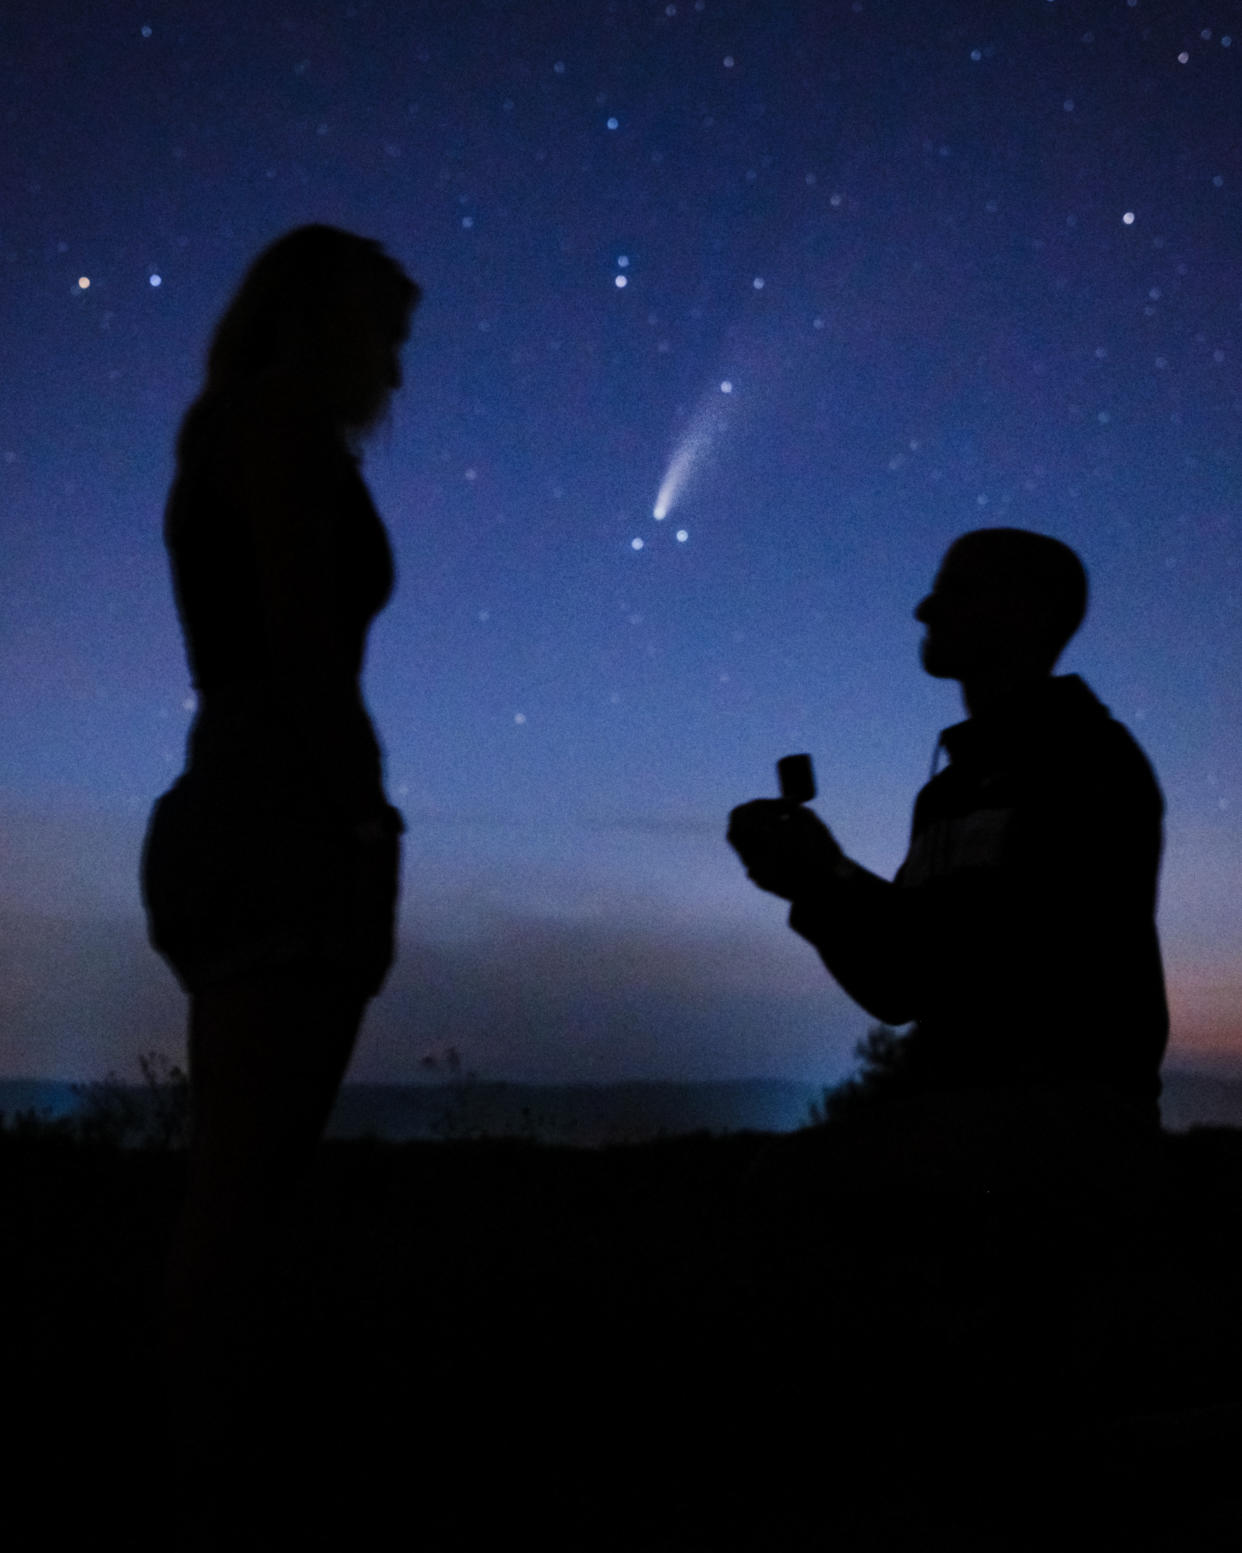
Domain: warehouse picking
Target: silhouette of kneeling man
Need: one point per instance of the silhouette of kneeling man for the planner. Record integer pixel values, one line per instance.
(987, 1222)
(1019, 934)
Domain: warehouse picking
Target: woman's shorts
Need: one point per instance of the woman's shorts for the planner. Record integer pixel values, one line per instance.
(241, 881)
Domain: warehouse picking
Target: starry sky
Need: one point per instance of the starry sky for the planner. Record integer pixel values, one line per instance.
(828, 283)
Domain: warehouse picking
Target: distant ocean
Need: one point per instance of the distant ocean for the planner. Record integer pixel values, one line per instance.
(45, 1097)
(593, 1114)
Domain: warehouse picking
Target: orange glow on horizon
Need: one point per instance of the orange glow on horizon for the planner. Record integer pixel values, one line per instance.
(1205, 1011)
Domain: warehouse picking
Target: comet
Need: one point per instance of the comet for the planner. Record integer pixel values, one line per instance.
(694, 450)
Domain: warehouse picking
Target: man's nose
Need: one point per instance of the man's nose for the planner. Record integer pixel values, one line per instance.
(921, 610)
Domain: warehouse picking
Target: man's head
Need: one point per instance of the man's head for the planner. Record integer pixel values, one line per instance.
(1004, 604)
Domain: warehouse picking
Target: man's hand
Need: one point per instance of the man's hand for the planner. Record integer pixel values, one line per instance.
(787, 850)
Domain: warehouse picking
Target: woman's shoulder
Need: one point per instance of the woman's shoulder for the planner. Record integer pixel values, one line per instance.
(259, 429)
(273, 404)
(281, 405)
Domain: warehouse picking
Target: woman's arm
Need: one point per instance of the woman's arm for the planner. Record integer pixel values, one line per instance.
(288, 487)
(291, 488)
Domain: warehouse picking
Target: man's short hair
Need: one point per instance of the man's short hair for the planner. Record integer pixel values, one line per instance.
(1039, 567)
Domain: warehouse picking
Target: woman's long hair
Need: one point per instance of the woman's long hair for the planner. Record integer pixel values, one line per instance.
(315, 306)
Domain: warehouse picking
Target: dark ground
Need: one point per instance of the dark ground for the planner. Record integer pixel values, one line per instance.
(740, 1342)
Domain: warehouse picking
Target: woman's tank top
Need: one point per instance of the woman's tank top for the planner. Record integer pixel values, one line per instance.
(280, 562)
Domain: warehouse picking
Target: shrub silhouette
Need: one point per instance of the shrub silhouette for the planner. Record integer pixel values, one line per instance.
(155, 1115)
(887, 1073)
(30, 1124)
(454, 1121)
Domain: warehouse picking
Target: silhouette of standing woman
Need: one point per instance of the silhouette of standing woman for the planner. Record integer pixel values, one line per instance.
(270, 867)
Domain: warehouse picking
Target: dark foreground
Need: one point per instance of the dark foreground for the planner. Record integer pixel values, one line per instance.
(743, 1342)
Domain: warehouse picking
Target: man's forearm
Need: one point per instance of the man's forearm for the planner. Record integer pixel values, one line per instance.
(863, 928)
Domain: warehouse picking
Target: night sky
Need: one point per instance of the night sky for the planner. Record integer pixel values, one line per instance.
(862, 275)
